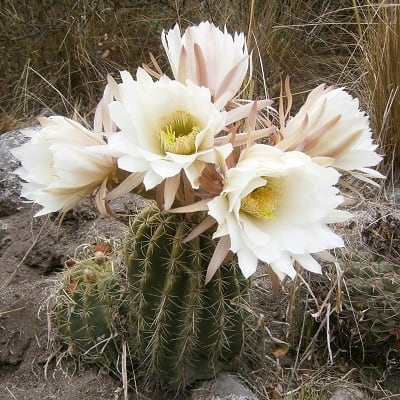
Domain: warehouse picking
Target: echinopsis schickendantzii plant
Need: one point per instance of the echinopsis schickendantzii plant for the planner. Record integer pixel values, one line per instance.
(180, 329)
(232, 188)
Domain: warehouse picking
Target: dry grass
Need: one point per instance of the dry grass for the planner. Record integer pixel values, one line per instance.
(56, 54)
(379, 49)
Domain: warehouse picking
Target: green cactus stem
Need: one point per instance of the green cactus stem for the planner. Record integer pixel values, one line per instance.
(87, 313)
(366, 318)
(180, 329)
(370, 315)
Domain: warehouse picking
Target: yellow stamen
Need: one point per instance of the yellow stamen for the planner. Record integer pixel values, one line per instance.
(263, 201)
(178, 133)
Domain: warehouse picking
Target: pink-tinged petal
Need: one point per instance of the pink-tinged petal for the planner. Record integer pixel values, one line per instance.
(198, 206)
(335, 128)
(326, 256)
(250, 125)
(223, 99)
(101, 202)
(193, 173)
(230, 81)
(126, 186)
(193, 57)
(102, 123)
(242, 111)
(203, 226)
(242, 139)
(283, 266)
(217, 259)
(296, 139)
(324, 161)
(291, 200)
(308, 262)
(59, 165)
(201, 66)
(372, 173)
(113, 85)
(171, 186)
(181, 73)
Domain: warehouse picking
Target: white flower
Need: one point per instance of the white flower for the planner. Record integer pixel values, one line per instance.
(165, 128)
(330, 124)
(275, 207)
(59, 166)
(208, 57)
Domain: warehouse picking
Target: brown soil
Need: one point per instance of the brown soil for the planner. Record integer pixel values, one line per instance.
(25, 288)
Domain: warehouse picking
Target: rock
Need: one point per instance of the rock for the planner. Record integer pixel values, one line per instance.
(10, 185)
(224, 387)
(395, 196)
(347, 393)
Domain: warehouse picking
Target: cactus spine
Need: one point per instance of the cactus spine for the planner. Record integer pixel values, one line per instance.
(367, 321)
(180, 330)
(370, 316)
(87, 311)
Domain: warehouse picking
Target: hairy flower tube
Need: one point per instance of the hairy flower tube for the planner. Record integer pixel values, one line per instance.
(208, 57)
(275, 207)
(59, 166)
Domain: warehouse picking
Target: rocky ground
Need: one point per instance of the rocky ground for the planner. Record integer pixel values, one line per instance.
(32, 252)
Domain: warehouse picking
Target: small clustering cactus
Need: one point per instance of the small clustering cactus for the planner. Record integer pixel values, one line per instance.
(87, 311)
(370, 316)
(365, 317)
(180, 329)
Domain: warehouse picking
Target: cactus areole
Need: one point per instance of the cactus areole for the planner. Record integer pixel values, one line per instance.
(180, 329)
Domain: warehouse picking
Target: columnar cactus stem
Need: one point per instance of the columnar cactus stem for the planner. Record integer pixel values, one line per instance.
(179, 329)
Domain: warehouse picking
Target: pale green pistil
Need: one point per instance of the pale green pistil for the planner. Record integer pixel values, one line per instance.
(262, 202)
(178, 133)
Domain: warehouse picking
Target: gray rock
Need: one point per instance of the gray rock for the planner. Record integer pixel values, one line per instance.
(224, 387)
(347, 393)
(395, 195)
(10, 185)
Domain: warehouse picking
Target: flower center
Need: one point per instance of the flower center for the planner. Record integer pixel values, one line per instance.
(178, 133)
(263, 201)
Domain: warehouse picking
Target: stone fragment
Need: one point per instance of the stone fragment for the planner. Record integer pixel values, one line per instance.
(224, 387)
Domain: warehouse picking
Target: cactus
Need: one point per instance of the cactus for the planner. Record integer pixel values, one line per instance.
(366, 321)
(370, 316)
(180, 329)
(87, 311)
